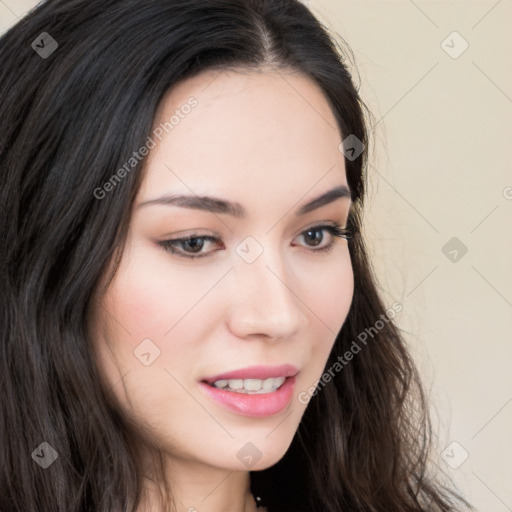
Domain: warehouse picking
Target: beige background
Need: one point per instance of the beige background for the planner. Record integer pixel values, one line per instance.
(441, 169)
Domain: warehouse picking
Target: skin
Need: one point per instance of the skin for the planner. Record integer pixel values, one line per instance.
(269, 141)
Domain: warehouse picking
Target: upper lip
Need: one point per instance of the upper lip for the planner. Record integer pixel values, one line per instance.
(256, 372)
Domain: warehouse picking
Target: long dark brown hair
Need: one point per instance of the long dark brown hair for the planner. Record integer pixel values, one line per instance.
(74, 108)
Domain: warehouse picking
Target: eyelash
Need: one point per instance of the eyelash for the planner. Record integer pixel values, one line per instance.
(335, 230)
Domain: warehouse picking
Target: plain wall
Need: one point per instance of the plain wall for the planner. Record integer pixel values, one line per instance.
(440, 168)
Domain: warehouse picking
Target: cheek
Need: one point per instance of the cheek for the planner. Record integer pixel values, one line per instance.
(150, 297)
(329, 294)
(328, 299)
(145, 299)
(144, 312)
(336, 303)
(152, 300)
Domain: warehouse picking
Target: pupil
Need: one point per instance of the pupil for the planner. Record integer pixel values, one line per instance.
(315, 239)
(196, 247)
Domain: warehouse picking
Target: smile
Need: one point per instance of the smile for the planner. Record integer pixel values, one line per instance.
(250, 386)
(256, 403)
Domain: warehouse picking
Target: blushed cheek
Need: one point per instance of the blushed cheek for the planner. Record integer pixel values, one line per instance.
(170, 306)
(330, 305)
(145, 297)
(342, 293)
(331, 295)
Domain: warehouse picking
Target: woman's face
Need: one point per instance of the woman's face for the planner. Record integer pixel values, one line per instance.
(260, 292)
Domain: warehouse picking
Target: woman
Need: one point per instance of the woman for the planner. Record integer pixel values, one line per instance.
(189, 318)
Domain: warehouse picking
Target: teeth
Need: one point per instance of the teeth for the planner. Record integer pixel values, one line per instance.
(252, 386)
(236, 383)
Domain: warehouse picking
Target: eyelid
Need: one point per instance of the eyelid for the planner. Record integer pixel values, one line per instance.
(198, 233)
(335, 229)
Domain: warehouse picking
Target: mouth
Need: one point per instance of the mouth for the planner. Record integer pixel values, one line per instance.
(249, 386)
(253, 380)
(254, 397)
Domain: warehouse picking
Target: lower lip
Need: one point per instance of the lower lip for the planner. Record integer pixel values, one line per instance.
(254, 405)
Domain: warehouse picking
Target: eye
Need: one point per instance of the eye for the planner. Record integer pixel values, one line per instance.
(334, 230)
(191, 246)
(193, 242)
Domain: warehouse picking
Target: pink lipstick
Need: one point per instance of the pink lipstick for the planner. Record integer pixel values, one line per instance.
(256, 391)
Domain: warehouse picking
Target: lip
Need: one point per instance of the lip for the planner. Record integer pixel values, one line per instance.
(253, 405)
(256, 372)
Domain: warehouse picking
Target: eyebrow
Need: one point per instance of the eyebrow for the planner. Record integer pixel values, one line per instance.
(216, 205)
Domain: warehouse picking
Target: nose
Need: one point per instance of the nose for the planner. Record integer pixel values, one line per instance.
(263, 301)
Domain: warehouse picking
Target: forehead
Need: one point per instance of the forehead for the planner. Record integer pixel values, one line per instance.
(245, 133)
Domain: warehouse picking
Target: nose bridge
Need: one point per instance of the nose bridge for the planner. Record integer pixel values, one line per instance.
(264, 300)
